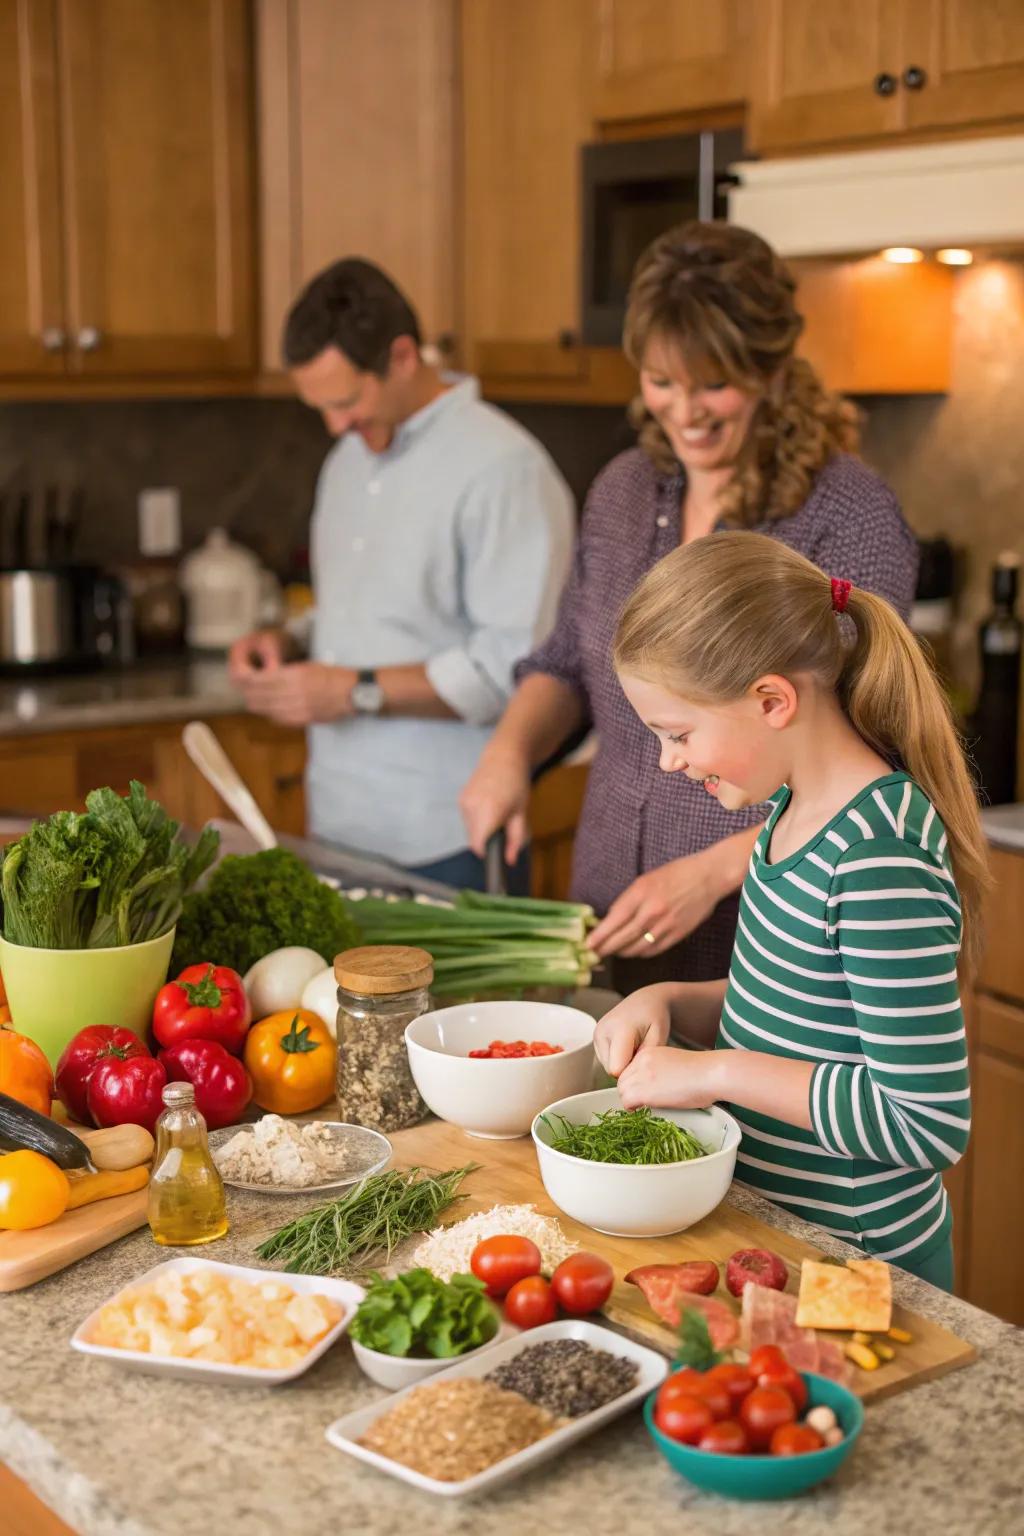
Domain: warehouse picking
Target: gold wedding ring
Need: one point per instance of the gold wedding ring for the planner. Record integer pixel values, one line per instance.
(649, 937)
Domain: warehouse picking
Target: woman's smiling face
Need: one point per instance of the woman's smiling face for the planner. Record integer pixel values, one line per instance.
(707, 423)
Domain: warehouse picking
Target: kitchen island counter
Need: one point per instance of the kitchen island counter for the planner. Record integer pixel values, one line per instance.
(171, 690)
(116, 1453)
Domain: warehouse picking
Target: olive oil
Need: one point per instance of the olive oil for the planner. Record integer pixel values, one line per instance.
(186, 1195)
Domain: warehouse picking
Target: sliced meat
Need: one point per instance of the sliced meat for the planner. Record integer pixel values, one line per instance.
(669, 1288)
(832, 1362)
(722, 1322)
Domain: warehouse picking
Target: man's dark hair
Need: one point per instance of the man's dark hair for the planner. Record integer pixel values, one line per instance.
(354, 306)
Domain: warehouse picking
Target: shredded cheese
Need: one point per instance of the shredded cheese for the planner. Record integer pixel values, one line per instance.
(447, 1250)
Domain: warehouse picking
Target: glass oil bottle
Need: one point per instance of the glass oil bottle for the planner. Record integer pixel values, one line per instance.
(186, 1195)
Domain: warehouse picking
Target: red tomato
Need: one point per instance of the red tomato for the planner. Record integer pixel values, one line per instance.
(500, 1261)
(716, 1394)
(762, 1412)
(794, 1440)
(736, 1379)
(583, 1282)
(683, 1418)
(764, 1356)
(789, 1380)
(728, 1438)
(684, 1383)
(531, 1302)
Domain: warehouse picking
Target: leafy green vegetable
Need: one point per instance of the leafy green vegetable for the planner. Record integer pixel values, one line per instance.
(695, 1347)
(366, 1225)
(112, 875)
(624, 1136)
(254, 903)
(418, 1314)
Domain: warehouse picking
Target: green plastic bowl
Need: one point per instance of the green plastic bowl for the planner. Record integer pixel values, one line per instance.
(767, 1477)
(53, 993)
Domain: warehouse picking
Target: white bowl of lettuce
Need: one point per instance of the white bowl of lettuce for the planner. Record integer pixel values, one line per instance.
(410, 1326)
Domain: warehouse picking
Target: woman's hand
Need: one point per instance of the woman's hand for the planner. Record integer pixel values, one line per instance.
(667, 1078)
(643, 1019)
(668, 903)
(497, 795)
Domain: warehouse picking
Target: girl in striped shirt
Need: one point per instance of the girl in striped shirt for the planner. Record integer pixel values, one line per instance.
(838, 1037)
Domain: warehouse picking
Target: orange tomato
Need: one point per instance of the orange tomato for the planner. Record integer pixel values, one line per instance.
(290, 1057)
(24, 1071)
(33, 1190)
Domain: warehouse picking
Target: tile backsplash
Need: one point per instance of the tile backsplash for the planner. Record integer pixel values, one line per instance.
(956, 461)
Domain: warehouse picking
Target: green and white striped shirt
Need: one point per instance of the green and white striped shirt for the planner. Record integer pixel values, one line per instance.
(845, 956)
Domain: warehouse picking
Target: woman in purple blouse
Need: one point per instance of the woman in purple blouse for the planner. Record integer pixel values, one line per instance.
(735, 431)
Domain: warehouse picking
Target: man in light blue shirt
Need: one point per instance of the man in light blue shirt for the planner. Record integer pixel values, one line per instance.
(441, 538)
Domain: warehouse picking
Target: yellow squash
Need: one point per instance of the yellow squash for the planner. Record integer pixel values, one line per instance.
(33, 1191)
(290, 1057)
(87, 1187)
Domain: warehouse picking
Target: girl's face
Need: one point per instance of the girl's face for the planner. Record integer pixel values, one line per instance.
(734, 749)
(706, 423)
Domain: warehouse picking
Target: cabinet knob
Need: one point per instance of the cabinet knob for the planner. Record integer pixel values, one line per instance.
(914, 78)
(88, 339)
(53, 338)
(885, 84)
(566, 340)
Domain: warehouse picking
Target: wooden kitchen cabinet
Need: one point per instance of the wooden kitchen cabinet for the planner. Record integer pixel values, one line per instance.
(661, 58)
(357, 113)
(129, 221)
(829, 72)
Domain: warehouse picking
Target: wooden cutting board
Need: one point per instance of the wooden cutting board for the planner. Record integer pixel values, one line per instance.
(26, 1257)
(509, 1176)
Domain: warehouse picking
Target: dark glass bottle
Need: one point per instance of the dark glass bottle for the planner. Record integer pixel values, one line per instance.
(996, 720)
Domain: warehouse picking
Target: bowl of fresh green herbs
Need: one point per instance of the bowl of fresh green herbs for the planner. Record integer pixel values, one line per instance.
(634, 1173)
(414, 1324)
(90, 901)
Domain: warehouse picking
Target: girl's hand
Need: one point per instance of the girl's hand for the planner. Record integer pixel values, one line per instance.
(669, 903)
(640, 1020)
(667, 1078)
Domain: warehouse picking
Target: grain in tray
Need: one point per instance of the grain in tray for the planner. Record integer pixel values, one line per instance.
(453, 1430)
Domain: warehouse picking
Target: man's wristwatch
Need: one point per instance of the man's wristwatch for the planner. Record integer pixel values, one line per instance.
(367, 696)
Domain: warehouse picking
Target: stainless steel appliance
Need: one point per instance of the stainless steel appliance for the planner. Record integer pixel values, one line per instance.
(633, 190)
(60, 617)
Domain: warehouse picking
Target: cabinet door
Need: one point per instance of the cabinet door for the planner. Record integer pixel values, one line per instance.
(526, 79)
(357, 133)
(31, 314)
(972, 59)
(995, 1273)
(818, 62)
(157, 170)
(660, 57)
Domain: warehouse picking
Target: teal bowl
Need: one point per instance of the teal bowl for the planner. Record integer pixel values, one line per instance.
(767, 1477)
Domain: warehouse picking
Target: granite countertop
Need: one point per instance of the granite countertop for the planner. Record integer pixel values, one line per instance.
(173, 690)
(116, 1453)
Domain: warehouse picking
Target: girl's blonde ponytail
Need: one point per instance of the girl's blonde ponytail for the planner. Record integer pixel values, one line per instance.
(889, 690)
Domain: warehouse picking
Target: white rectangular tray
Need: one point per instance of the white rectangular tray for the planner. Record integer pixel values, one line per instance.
(345, 1292)
(346, 1432)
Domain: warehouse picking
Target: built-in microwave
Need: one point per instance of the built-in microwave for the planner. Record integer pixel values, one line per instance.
(633, 190)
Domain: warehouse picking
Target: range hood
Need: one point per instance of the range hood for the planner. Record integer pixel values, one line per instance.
(967, 192)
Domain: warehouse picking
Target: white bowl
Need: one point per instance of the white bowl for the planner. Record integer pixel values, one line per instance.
(638, 1201)
(345, 1292)
(398, 1371)
(499, 1099)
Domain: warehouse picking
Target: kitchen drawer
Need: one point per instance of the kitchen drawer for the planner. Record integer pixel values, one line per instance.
(999, 1027)
(1002, 966)
(36, 782)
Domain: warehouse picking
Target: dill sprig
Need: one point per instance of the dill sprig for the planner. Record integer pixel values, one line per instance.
(624, 1136)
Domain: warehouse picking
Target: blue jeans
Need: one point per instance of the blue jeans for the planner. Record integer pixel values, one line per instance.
(465, 871)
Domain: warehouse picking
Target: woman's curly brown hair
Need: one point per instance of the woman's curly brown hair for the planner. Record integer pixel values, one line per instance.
(724, 301)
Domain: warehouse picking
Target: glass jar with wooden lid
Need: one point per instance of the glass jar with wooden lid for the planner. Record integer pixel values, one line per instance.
(381, 989)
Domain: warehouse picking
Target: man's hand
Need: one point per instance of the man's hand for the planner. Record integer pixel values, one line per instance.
(640, 1021)
(300, 693)
(260, 651)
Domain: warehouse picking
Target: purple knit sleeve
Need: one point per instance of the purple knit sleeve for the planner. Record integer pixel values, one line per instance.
(559, 655)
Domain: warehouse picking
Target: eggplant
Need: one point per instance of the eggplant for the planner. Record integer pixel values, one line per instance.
(21, 1128)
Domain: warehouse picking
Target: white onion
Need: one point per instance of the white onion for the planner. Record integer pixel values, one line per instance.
(277, 982)
(321, 996)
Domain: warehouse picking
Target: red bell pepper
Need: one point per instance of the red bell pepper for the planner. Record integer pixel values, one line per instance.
(206, 1002)
(126, 1090)
(223, 1086)
(79, 1058)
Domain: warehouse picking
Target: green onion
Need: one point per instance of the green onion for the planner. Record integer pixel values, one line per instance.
(624, 1136)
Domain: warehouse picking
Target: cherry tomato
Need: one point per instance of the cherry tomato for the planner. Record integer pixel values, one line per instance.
(793, 1440)
(683, 1418)
(500, 1261)
(764, 1356)
(684, 1383)
(762, 1412)
(583, 1282)
(736, 1379)
(716, 1394)
(531, 1302)
(789, 1380)
(728, 1438)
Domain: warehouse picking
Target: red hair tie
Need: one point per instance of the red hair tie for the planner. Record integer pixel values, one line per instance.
(841, 590)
